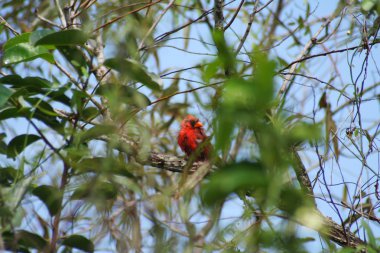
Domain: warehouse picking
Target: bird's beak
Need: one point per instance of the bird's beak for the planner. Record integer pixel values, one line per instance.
(198, 124)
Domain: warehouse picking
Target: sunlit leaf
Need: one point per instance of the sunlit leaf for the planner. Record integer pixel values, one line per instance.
(368, 5)
(345, 194)
(63, 38)
(135, 71)
(37, 35)
(25, 52)
(331, 129)
(225, 53)
(22, 38)
(371, 236)
(76, 58)
(5, 93)
(301, 131)
(125, 94)
(245, 101)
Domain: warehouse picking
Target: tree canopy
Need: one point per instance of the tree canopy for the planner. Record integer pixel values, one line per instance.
(92, 94)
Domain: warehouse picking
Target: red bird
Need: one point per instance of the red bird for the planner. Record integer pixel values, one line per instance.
(191, 136)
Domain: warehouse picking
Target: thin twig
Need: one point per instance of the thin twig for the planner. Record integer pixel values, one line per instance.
(250, 22)
(60, 12)
(234, 16)
(285, 84)
(324, 54)
(7, 25)
(96, 103)
(126, 14)
(204, 14)
(182, 92)
(46, 20)
(158, 19)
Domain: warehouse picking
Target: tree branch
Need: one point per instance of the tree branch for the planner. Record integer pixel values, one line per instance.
(329, 228)
(301, 59)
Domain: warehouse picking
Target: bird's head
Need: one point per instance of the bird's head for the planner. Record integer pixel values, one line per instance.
(191, 122)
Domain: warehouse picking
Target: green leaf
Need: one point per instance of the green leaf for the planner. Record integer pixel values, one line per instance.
(5, 93)
(19, 143)
(22, 240)
(371, 236)
(17, 81)
(59, 95)
(124, 94)
(37, 35)
(135, 71)
(90, 113)
(291, 199)
(10, 242)
(48, 118)
(16, 193)
(63, 38)
(7, 176)
(24, 52)
(302, 131)
(368, 5)
(103, 165)
(3, 145)
(5, 213)
(13, 112)
(31, 240)
(225, 53)
(282, 61)
(51, 196)
(42, 113)
(79, 242)
(96, 191)
(210, 70)
(35, 85)
(347, 250)
(76, 58)
(95, 132)
(244, 176)
(22, 38)
(42, 106)
(245, 101)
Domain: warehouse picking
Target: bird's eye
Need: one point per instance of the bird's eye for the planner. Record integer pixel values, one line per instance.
(192, 122)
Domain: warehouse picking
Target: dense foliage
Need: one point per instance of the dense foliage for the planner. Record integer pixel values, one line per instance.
(92, 93)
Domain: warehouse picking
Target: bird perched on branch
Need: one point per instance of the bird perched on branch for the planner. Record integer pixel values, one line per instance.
(193, 140)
